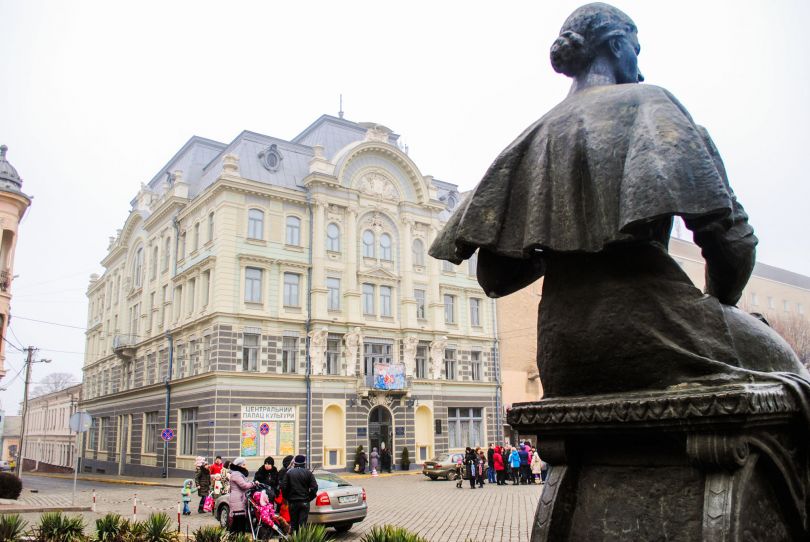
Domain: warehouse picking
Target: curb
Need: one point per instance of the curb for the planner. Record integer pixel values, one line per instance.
(42, 509)
(354, 476)
(104, 480)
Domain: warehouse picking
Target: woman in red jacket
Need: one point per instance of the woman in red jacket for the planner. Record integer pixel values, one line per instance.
(500, 469)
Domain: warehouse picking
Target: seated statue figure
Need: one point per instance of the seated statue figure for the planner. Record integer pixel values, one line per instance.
(586, 198)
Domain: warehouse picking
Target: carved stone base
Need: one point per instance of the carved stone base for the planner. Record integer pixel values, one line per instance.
(725, 463)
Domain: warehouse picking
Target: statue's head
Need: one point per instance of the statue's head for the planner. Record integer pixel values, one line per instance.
(593, 31)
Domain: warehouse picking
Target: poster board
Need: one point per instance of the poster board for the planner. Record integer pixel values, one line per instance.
(267, 430)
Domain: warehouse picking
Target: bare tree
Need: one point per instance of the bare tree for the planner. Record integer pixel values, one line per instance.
(796, 331)
(54, 382)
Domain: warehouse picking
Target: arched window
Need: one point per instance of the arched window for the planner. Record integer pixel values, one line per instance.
(293, 231)
(137, 268)
(385, 247)
(368, 244)
(255, 224)
(333, 237)
(418, 252)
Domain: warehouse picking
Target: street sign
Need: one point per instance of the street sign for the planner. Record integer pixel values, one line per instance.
(264, 428)
(80, 422)
(167, 434)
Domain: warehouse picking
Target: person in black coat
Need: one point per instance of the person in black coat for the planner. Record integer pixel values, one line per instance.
(385, 460)
(362, 461)
(299, 488)
(285, 466)
(470, 465)
(268, 475)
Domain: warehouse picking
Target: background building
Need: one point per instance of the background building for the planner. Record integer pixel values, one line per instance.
(10, 437)
(780, 295)
(49, 445)
(261, 280)
(13, 204)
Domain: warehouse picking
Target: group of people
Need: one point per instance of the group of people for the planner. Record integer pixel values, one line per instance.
(521, 464)
(376, 462)
(280, 498)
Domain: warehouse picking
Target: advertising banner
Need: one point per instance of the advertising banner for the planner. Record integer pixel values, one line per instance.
(389, 376)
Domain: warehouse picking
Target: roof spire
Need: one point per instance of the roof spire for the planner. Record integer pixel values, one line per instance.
(340, 113)
(3, 149)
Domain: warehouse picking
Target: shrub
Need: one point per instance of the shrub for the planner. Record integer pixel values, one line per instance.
(55, 527)
(12, 527)
(10, 486)
(309, 533)
(390, 533)
(239, 537)
(111, 528)
(211, 534)
(158, 528)
(405, 462)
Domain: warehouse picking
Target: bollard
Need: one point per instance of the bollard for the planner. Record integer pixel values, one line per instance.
(179, 512)
(94, 501)
(135, 508)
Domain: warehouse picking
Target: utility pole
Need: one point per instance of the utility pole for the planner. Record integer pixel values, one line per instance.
(28, 361)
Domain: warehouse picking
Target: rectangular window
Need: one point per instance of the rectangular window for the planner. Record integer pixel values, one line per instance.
(449, 309)
(196, 236)
(289, 354)
(449, 364)
(250, 352)
(368, 299)
(206, 287)
(192, 287)
(465, 427)
(419, 295)
(293, 231)
(181, 252)
(167, 250)
(178, 301)
(151, 430)
(163, 305)
(770, 302)
(92, 437)
(291, 283)
(447, 267)
(210, 227)
(475, 365)
(475, 311)
(255, 224)
(333, 294)
(333, 354)
(422, 361)
(385, 300)
(472, 265)
(786, 305)
(104, 428)
(151, 312)
(188, 431)
(754, 299)
(376, 352)
(253, 285)
(151, 369)
(153, 265)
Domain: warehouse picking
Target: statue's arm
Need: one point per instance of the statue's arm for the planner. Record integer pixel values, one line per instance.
(728, 245)
(501, 275)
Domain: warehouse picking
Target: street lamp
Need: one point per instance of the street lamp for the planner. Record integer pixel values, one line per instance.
(28, 362)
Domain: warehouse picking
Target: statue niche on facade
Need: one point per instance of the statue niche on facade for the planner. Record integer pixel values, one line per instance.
(586, 197)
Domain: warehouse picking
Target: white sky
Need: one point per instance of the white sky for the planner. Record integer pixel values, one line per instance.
(95, 97)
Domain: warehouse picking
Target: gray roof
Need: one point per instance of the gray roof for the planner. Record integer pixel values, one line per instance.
(333, 134)
(191, 159)
(784, 276)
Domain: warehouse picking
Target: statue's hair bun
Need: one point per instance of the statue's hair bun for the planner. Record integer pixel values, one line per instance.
(569, 53)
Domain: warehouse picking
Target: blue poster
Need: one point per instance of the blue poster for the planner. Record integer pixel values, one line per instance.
(389, 376)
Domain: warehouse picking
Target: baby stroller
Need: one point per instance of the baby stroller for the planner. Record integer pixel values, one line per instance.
(260, 501)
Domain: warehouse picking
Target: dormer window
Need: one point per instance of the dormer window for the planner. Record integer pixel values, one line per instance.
(271, 158)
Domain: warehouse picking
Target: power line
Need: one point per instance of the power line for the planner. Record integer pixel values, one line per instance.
(61, 351)
(15, 337)
(50, 323)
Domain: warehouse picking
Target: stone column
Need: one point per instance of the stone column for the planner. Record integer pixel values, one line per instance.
(351, 294)
(407, 301)
(435, 302)
(319, 290)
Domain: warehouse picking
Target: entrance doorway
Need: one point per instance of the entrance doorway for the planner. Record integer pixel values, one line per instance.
(380, 427)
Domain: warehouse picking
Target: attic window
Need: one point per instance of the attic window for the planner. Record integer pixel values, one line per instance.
(451, 203)
(271, 158)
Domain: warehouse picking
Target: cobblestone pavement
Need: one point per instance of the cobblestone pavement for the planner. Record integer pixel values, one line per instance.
(437, 510)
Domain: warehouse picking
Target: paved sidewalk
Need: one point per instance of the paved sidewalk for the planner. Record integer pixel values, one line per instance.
(35, 502)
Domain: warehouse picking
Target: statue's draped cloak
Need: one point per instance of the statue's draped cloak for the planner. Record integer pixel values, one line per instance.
(599, 166)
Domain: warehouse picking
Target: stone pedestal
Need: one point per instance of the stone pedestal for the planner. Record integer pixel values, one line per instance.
(727, 463)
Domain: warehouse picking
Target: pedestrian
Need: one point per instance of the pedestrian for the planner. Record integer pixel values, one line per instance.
(491, 464)
(203, 481)
(470, 466)
(217, 485)
(216, 468)
(361, 460)
(185, 494)
(459, 473)
(514, 464)
(375, 460)
(299, 487)
(267, 474)
(385, 458)
(482, 468)
(226, 476)
(537, 466)
(524, 471)
(237, 520)
(499, 466)
(282, 505)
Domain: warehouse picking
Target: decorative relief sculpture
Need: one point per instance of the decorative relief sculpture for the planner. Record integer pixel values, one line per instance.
(317, 349)
(409, 345)
(437, 356)
(354, 342)
(377, 185)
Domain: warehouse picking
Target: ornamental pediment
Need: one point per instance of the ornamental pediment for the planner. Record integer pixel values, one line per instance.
(378, 273)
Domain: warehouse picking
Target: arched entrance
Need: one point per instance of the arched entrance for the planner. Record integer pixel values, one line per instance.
(380, 428)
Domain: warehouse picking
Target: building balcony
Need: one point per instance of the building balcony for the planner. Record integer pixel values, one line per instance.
(5, 280)
(124, 346)
(387, 378)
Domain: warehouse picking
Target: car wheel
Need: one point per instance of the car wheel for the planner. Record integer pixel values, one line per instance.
(452, 475)
(432, 476)
(343, 528)
(222, 515)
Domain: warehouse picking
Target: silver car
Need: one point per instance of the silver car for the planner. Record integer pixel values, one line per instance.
(337, 504)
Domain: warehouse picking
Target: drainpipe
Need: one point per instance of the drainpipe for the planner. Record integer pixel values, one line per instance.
(307, 328)
(496, 357)
(170, 339)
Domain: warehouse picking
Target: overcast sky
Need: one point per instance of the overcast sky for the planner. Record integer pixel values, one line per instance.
(95, 97)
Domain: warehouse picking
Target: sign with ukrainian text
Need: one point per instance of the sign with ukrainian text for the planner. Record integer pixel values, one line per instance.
(268, 413)
(268, 430)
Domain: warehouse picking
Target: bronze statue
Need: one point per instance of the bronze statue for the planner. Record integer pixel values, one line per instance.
(586, 198)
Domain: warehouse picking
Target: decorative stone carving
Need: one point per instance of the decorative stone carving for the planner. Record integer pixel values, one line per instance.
(375, 222)
(317, 349)
(437, 356)
(271, 158)
(409, 344)
(335, 213)
(230, 164)
(380, 399)
(377, 185)
(354, 341)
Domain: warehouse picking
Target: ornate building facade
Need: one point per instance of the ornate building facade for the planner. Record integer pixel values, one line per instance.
(13, 204)
(270, 297)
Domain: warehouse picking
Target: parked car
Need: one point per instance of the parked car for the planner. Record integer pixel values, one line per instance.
(5, 466)
(443, 466)
(338, 503)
